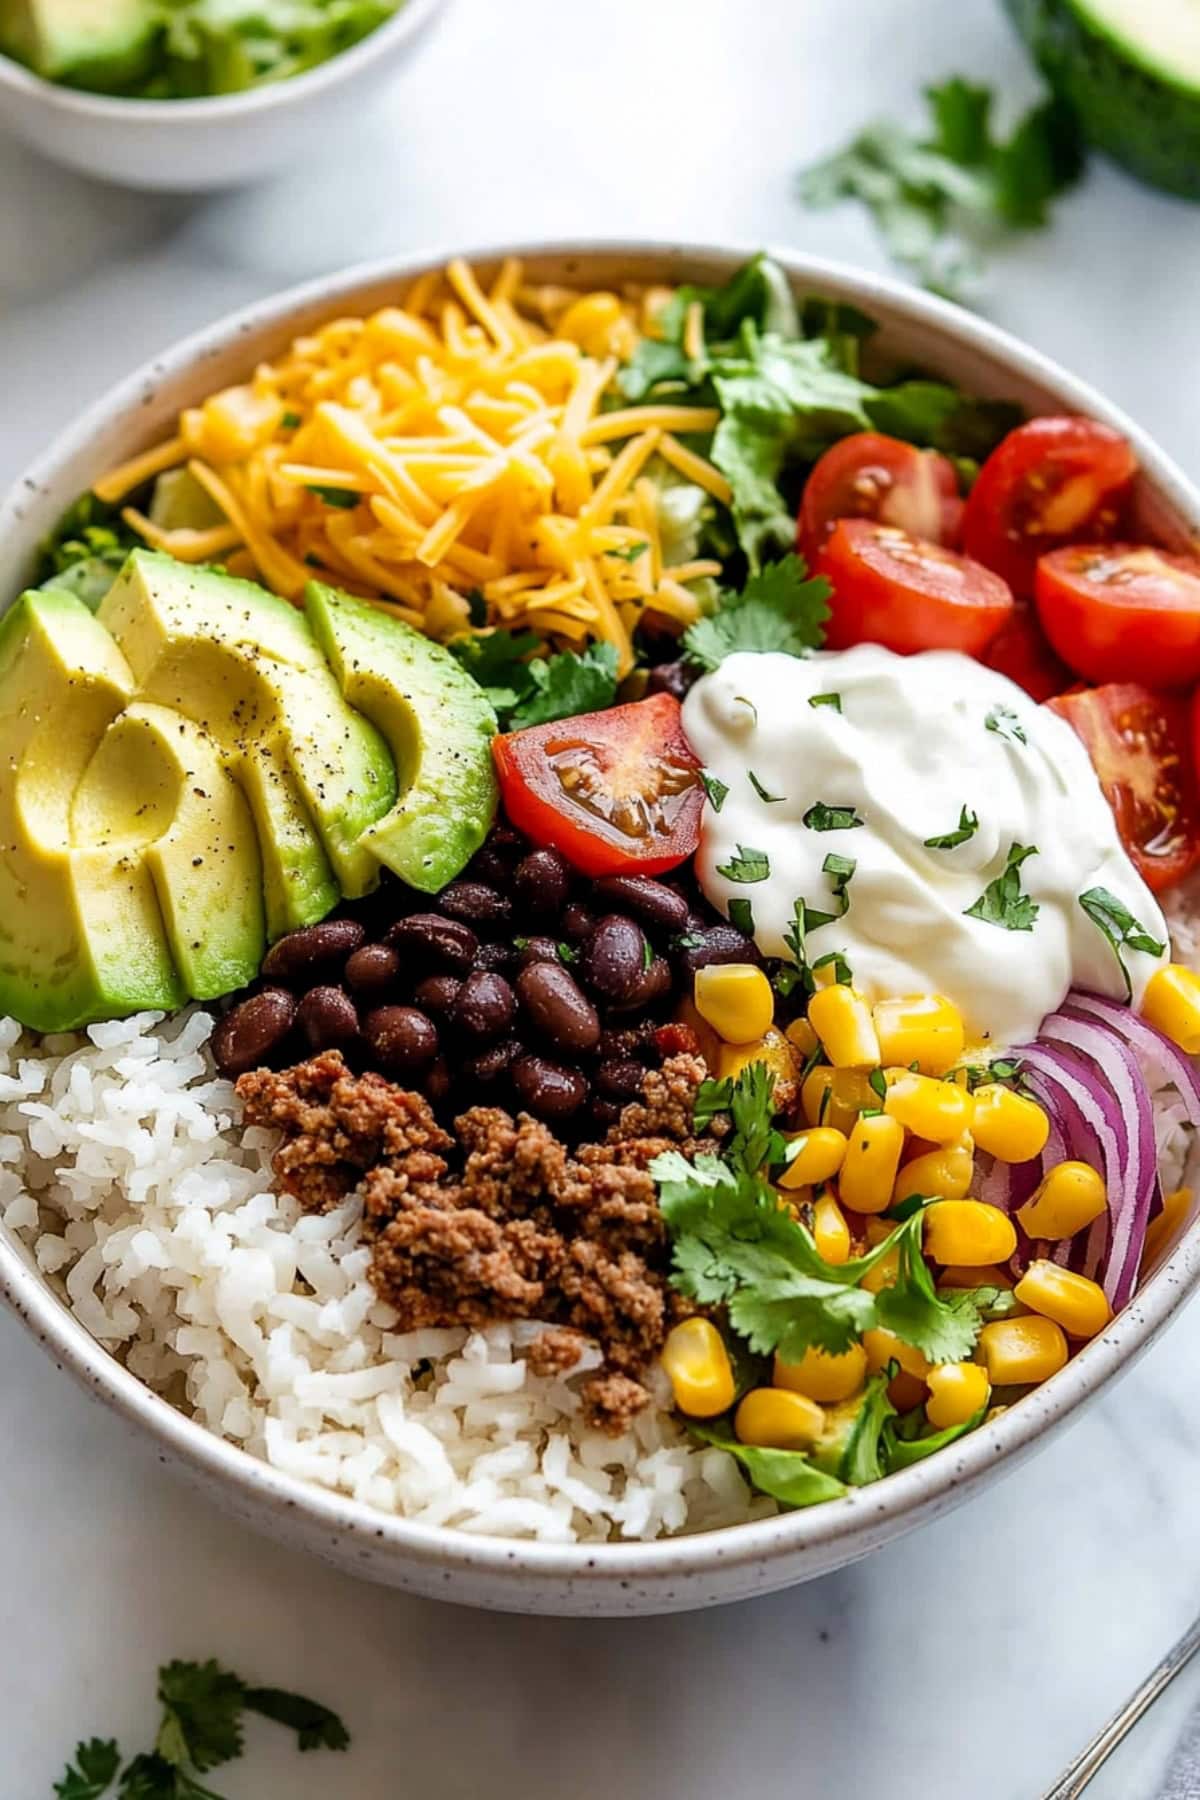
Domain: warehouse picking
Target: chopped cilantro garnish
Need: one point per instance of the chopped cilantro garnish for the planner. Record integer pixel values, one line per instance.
(290, 420)
(833, 700)
(629, 553)
(760, 790)
(530, 689)
(1114, 919)
(821, 817)
(1006, 724)
(477, 609)
(877, 1082)
(345, 498)
(840, 870)
(715, 788)
(1002, 902)
(747, 865)
(968, 825)
(741, 914)
(780, 608)
(835, 960)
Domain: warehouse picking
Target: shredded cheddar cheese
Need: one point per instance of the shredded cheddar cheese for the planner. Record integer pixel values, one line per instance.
(449, 459)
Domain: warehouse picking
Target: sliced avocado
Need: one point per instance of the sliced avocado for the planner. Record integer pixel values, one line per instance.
(439, 724)
(1130, 71)
(158, 787)
(244, 666)
(81, 937)
(179, 503)
(104, 45)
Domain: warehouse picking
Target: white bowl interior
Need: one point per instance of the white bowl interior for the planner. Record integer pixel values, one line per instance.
(675, 1573)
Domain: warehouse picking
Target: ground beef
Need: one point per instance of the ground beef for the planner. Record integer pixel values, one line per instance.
(501, 1221)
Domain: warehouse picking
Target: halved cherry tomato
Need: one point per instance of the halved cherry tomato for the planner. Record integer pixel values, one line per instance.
(894, 589)
(1021, 651)
(1122, 611)
(869, 476)
(616, 791)
(1051, 482)
(1140, 746)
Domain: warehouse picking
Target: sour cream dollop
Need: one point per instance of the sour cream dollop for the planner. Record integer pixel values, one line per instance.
(915, 748)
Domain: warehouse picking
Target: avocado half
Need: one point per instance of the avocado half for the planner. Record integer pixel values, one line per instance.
(1131, 75)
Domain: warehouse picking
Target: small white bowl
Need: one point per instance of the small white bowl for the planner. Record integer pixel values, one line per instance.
(220, 141)
(673, 1574)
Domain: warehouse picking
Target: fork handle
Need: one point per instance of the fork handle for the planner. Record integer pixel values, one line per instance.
(1088, 1763)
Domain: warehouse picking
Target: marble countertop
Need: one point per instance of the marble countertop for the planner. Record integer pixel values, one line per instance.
(970, 1660)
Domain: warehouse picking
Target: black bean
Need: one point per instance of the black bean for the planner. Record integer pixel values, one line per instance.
(719, 944)
(542, 882)
(538, 949)
(301, 954)
(425, 935)
(491, 866)
(548, 1089)
(495, 957)
(504, 836)
(652, 984)
(436, 994)
(402, 1040)
(576, 922)
(372, 970)
(620, 1080)
(248, 1034)
(475, 902)
(645, 899)
(493, 1062)
(484, 1006)
(674, 678)
(619, 1043)
(613, 957)
(558, 1007)
(328, 1018)
(605, 1113)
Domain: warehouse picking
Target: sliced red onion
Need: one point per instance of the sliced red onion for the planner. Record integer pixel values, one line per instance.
(1162, 1060)
(1107, 1053)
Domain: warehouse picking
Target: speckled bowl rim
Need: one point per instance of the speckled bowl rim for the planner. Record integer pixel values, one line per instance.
(837, 1531)
(79, 104)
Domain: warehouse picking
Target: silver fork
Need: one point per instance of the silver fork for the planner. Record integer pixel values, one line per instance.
(1088, 1763)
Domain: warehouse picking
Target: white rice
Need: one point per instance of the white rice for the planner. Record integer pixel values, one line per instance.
(125, 1174)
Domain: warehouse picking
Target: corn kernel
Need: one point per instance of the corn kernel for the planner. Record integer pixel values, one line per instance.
(772, 1049)
(946, 1172)
(818, 1155)
(835, 1096)
(831, 1234)
(884, 1272)
(1022, 1351)
(842, 1020)
(802, 1037)
(925, 1029)
(589, 322)
(988, 1275)
(883, 1347)
(871, 1161)
(698, 1365)
(778, 1419)
(823, 1377)
(1070, 1197)
(968, 1231)
(706, 1037)
(736, 1000)
(1161, 1231)
(937, 1110)
(1080, 1306)
(956, 1393)
(1008, 1126)
(1171, 1003)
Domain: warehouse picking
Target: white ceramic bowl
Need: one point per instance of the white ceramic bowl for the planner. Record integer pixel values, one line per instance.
(673, 1574)
(217, 142)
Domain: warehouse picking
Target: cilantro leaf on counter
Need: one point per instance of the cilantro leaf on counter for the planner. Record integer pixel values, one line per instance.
(1114, 919)
(94, 1769)
(968, 825)
(316, 1726)
(530, 689)
(938, 196)
(781, 608)
(202, 1709)
(1002, 902)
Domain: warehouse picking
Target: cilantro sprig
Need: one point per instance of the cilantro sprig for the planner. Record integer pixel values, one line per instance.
(527, 687)
(939, 196)
(200, 1729)
(1114, 919)
(781, 608)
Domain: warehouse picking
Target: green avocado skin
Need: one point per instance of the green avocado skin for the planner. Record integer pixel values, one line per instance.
(1143, 120)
